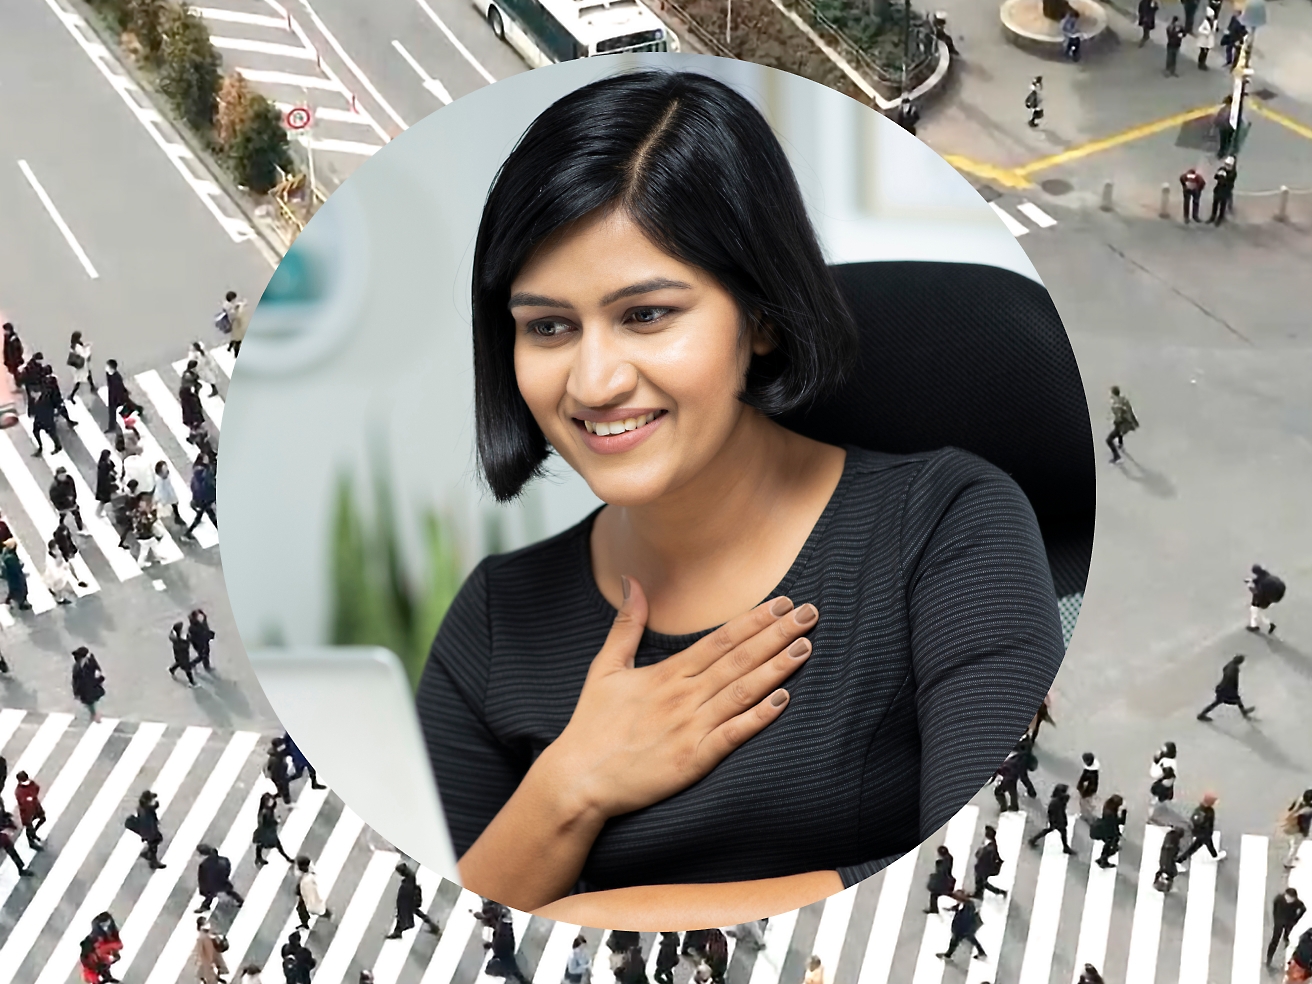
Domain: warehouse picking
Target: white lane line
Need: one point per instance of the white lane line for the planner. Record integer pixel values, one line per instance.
(518, 923)
(938, 929)
(1040, 218)
(93, 440)
(887, 924)
(455, 937)
(355, 920)
(1097, 918)
(10, 719)
(58, 793)
(355, 147)
(431, 84)
(114, 872)
(455, 42)
(240, 17)
(151, 901)
(55, 882)
(1196, 940)
(994, 908)
(394, 953)
(831, 932)
(1045, 913)
(1146, 930)
(265, 48)
(58, 219)
(180, 946)
(556, 954)
(778, 938)
(328, 114)
(125, 568)
(167, 406)
(213, 404)
(261, 76)
(224, 359)
(1013, 227)
(1250, 908)
(354, 69)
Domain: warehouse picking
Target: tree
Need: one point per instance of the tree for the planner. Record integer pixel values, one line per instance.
(259, 148)
(144, 19)
(236, 102)
(189, 67)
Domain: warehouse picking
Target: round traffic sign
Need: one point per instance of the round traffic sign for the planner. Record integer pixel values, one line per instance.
(298, 118)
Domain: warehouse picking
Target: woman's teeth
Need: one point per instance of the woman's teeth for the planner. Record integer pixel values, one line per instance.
(619, 426)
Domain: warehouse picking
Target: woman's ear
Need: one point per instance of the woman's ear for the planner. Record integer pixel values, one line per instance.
(763, 342)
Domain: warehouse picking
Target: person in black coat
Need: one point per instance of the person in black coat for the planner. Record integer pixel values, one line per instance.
(13, 352)
(33, 378)
(277, 770)
(214, 878)
(1086, 787)
(1202, 825)
(106, 480)
(1107, 828)
(1227, 691)
(965, 924)
(503, 962)
(118, 397)
(297, 961)
(1147, 19)
(988, 863)
(634, 968)
(667, 958)
(88, 681)
(202, 493)
(716, 949)
(1167, 865)
(1265, 590)
(1057, 817)
(63, 496)
(42, 412)
(693, 941)
(266, 831)
(410, 904)
(1286, 911)
(942, 881)
(56, 396)
(181, 653)
(200, 635)
(193, 413)
(147, 828)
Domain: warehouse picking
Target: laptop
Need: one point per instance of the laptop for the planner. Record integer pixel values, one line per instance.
(351, 711)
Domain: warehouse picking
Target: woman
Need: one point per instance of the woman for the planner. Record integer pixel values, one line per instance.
(11, 565)
(1167, 864)
(210, 966)
(206, 371)
(165, 495)
(59, 576)
(146, 528)
(189, 397)
(181, 646)
(88, 681)
(1206, 39)
(266, 831)
(601, 333)
(580, 963)
(148, 829)
(1107, 828)
(100, 950)
(106, 480)
(309, 901)
(79, 358)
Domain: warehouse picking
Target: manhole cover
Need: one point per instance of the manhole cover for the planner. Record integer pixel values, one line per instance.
(1265, 94)
(1056, 186)
(988, 193)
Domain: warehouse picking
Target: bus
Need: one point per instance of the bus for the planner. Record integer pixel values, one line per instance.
(549, 31)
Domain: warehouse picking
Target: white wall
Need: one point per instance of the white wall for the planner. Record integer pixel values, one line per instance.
(382, 361)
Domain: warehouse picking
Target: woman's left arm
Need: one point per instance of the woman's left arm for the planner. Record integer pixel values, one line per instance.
(653, 908)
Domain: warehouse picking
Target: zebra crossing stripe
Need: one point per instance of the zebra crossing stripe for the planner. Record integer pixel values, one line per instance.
(1017, 229)
(224, 359)
(114, 872)
(1037, 215)
(1097, 918)
(392, 958)
(778, 937)
(889, 913)
(1146, 930)
(938, 929)
(555, 955)
(832, 931)
(166, 408)
(40, 747)
(10, 719)
(1250, 908)
(354, 922)
(652, 954)
(213, 405)
(1196, 942)
(1045, 915)
(1300, 879)
(11, 465)
(56, 881)
(459, 927)
(994, 909)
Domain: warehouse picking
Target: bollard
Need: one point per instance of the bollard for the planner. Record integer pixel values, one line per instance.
(1107, 197)
(1165, 210)
(1282, 213)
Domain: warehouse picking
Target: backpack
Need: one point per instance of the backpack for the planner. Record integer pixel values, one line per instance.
(291, 967)
(1032, 100)
(223, 321)
(1275, 588)
(75, 360)
(1198, 820)
(133, 823)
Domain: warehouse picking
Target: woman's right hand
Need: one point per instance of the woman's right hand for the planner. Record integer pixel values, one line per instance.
(640, 735)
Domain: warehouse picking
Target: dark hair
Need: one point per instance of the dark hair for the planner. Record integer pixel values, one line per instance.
(230, 295)
(697, 168)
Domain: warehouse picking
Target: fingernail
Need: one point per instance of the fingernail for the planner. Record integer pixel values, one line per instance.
(799, 649)
(624, 584)
(780, 698)
(806, 614)
(781, 606)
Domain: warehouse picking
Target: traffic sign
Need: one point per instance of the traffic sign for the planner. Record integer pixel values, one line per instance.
(298, 118)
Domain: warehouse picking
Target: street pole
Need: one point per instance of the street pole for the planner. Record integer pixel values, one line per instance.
(906, 42)
(728, 21)
(309, 149)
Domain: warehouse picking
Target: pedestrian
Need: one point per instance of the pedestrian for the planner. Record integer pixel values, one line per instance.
(31, 814)
(210, 966)
(8, 829)
(117, 396)
(1034, 100)
(202, 493)
(181, 646)
(308, 900)
(1025, 763)
(1300, 961)
(232, 320)
(101, 949)
(145, 824)
(1265, 590)
(750, 934)
(1223, 190)
(503, 962)
(266, 831)
(580, 963)
(164, 495)
(815, 971)
(1190, 14)
(63, 496)
(214, 877)
(1227, 691)
(1233, 38)
(206, 370)
(988, 864)
(42, 410)
(1147, 19)
(908, 114)
(193, 413)
(941, 880)
(4, 775)
(1167, 865)
(634, 969)
(1175, 34)
(88, 680)
(1004, 788)
(250, 974)
(1286, 911)
(297, 961)
(33, 378)
(1057, 817)
(1221, 125)
(277, 770)
(15, 577)
(1086, 787)
(1295, 826)
(1041, 717)
(200, 635)
(79, 360)
(1206, 41)
(1202, 824)
(1192, 183)
(1163, 775)
(692, 943)
(59, 577)
(106, 480)
(1090, 975)
(966, 922)
(147, 529)
(1107, 828)
(13, 352)
(300, 765)
(1070, 32)
(410, 904)
(716, 951)
(667, 958)
(127, 442)
(1214, 8)
(123, 511)
(199, 436)
(1123, 422)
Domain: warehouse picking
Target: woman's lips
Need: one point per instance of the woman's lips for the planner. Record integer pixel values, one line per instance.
(625, 440)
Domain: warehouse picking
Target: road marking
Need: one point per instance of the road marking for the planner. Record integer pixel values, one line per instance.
(778, 938)
(887, 924)
(994, 908)
(10, 719)
(1300, 128)
(1045, 913)
(1196, 938)
(449, 949)
(223, 358)
(1250, 910)
(1037, 215)
(1146, 930)
(258, 75)
(58, 219)
(829, 936)
(240, 17)
(431, 84)
(350, 931)
(999, 175)
(556, 954)
(455, 41)
(265, 48)
(43, 517)
(345, 147)
(1115, 140)
(1097, 918)
(938, 929)
(1013, 227)
(395, 953)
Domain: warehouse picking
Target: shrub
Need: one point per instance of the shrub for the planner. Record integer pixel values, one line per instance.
(189, 67)
(144, 19)
(233, 113)
(258, 149)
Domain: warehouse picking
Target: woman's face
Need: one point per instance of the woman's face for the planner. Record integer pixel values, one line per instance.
(612, 334)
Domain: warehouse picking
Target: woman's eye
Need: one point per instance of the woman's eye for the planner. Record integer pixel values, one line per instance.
(547, 329)
(648, 315)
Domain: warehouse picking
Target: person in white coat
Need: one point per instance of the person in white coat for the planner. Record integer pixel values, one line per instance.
(59, 576)
(206, 370)
(308, 900)
(166, 497)
(1206, 40)
(79, 359)
(1161, 794)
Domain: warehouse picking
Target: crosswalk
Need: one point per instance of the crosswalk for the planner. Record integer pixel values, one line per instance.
(1033, 216)
(1059, 912)
(25, 480)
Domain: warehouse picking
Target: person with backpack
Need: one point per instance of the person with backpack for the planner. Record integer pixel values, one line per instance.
(79, 360)
(1227, 691)
(1167, 865)
(1034, 101)
(1123, 422)
(8, 829)
(297, 961)
(1202, 826)
(31, 814)
(145, 824)
(988, 864)
(966, 922)
(410, 904)
(202, 494)
(1265, 590)
(1162, 773)
(308, 900)
(1107, 828)
(941, 881)
(1287, 909)
(1057, 817)
(214, 878)
(1086, 787)
(88, 681)
(1296, 825)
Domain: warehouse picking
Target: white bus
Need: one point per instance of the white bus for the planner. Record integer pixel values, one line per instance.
(548, 31)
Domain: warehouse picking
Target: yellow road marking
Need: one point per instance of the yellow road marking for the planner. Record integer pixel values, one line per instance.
(1116, 140)
(1001, 175)
(1301, 129)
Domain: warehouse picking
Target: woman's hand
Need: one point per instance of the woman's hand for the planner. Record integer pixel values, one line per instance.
(640, 735)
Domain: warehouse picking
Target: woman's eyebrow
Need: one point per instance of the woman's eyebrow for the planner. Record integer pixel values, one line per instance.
(644, 287)
(524, 299)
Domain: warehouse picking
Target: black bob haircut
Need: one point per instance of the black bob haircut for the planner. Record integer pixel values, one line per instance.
(698, 169)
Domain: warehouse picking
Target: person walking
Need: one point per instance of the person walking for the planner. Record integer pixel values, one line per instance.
(308, 900)
(100, 950)
(410, 904)
(966, 922)
(106, 480)
(1107, 828)
(1167, 865)
(1286, 911)
(1041, 717)
(1163, 774)
(117, 397)
(1090, 975)
(300, 765)
(1223, 190)
(145, 824)
(200, 635)
(232, 320)
(31, 814)
(1202, 825)
(193, 412)
(8, 829)
(266, 831)
(206, 371)
(63, 496)
(1265, 590)
(33, 378)
(210, 966)
(1124, 422)
(56, 397)
(277, 769)
(1190, 14)
(202, 494)
(164, 495)
(667, 958)
(1058, 817)
(1192, 184)
(1005, 780)
(1227, 691)
(1026, 762)
(148, 531)
(1295, 826)
(1233, 38)
(181, 653)
(297, 961)
(503, 951)
(250, 974)
(59, 577)
(716, 951)
(815, 971)
(1206, 41)
(1147, 19)
(1086, 787)
(42, 410)
(941, 880)
(88, 681)
(988, 864)
(79, 360)
(1070, 33)
(214, 878)
(13, 352)
(1175, 34)
(123, 511)
(15, 577)
(1034, 101)
(908, 114)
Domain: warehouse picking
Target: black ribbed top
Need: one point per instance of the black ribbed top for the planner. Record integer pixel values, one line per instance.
(938, 638)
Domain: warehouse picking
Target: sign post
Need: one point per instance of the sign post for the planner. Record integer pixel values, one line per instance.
(299, 120)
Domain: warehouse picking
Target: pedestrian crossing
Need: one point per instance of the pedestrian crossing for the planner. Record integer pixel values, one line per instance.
(1059, 912)
(1033, 216)
(26, 477)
